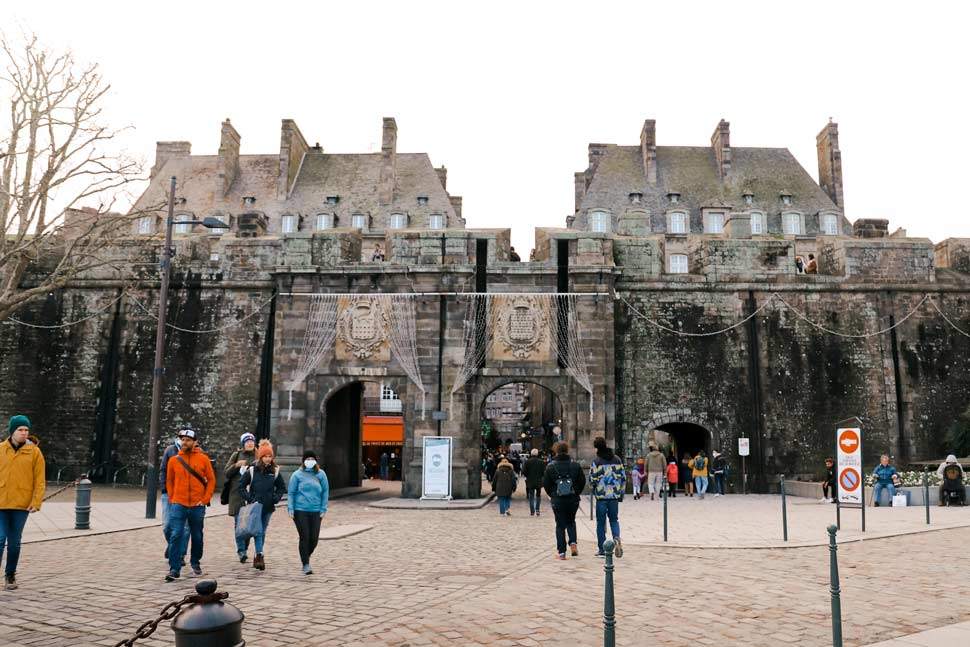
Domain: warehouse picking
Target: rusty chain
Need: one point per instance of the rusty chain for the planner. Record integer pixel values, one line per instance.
(56, 492)
(171, 610)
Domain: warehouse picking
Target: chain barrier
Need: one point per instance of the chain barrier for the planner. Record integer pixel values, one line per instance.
(66, 487)
(171, 610)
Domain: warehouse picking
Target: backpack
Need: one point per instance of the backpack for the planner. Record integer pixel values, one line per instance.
(699, 463)
(564, 484)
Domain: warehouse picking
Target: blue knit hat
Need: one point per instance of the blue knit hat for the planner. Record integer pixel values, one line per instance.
(19, 421)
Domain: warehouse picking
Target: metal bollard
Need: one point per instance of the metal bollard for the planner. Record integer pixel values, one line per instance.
(784, 509)
(926, 495)
(834, 587)
(609, 610)
(209, 622)
(82, 504)
(665, 488)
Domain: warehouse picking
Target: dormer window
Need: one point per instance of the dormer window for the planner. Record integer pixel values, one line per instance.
(289, 224)
(678, 222)
(758, 226)
(786, 199)
(422, 200)
(600, 221)
(714, 222)
(145, 225)
(636, 198)
(326, 221)
(398, 221)
(792, 223)
(436, 221)
(748, 198)
(333, 199)
(358, 221)
(674, 197)
(829, 224)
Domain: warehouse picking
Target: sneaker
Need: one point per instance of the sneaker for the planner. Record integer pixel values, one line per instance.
(617, 548)
(508, 514)
(600, 555)
(172, 576)
(823, 500)
(307, 570)
(537, 513)
(10, 582)
(196, 571)
(242, 558)
(561, 556)
(574, 550)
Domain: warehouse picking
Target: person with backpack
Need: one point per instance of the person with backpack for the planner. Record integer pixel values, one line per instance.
(672, 477)
(504, 485)
(656, 466)
(607, 476)
(190, 483)
(719, 467)
(533, 470)
(240, 459)
(699, 471)
(564, 482)
(306, 503)
(262, 483)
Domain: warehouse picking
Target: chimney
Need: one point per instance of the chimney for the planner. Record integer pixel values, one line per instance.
(292, 149)
(830, 163)
(228, 157)
(579, 182)
(442, 176)
(721, 143)
(648, 150)
(456, 205)
(388, 152)
(165, 151)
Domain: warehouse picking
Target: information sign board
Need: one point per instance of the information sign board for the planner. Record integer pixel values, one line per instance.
(436, 467)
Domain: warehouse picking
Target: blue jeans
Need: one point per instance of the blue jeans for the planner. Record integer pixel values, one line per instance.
(504, 503)
(534, 495)
(719, 484)
(877, 491)
(700, 485)
(12, 524)
(181, 517)
(607, 509)
(167, 529)
(261, 537)
(385, 472)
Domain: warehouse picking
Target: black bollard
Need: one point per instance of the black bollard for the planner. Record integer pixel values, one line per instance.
(926, 494)
(82, 504)
(609, 610)
(665, 486)
(784, 509)
(835, 590)
(209, 622)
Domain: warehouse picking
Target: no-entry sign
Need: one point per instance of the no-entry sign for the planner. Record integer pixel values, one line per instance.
(848, 440)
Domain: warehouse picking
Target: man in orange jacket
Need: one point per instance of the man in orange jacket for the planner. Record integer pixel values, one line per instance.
(190, 482)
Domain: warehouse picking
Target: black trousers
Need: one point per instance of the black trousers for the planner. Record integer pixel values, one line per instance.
(565, 513)
(828, 488)
(308, 526)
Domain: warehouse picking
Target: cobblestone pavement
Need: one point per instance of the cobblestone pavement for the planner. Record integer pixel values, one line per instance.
(471, 577)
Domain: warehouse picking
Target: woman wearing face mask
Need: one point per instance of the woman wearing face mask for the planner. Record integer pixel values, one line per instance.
(306, 504)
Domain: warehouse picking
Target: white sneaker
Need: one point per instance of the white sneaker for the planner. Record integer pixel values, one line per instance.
(823, 500)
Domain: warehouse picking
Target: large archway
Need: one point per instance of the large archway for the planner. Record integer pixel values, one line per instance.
(683, 438)
(523, 415)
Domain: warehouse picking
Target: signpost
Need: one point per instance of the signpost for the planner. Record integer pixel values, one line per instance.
(850, 487)
(744, 449)
(436, 468)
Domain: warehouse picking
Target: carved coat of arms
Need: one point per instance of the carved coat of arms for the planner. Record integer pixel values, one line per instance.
(522, 326)
(362, 327)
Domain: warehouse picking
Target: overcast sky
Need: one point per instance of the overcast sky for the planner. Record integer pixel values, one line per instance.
(508, 95)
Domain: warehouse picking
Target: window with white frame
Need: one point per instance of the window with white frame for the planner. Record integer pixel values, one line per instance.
(326, 221)
(758, 226)
(830, 224)
(792, 223)
(398, 221)
(358, 221)
(599, 221)
(183, 227)
(436, 221)
(288, 225)
(714, 222)
(677, 264)
(145, 225)
(678, 222)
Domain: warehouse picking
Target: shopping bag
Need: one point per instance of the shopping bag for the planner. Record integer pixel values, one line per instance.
(899, 500)
(250, 521)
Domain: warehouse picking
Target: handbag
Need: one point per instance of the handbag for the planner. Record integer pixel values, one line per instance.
(250, 521)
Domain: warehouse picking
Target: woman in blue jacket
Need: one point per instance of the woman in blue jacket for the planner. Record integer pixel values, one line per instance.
(306, 504)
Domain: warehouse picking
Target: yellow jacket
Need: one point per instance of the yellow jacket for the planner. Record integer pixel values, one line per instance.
(22, 476)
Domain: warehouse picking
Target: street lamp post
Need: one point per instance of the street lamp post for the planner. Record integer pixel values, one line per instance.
(164, 265)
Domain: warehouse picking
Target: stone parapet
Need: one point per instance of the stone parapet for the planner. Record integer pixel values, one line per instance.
(953, 254)
(908, 260)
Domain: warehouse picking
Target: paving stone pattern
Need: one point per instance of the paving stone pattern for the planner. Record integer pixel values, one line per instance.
(471, 577)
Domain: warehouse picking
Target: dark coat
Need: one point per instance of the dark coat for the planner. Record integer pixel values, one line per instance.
(562, 464)
(262, 484)
(534, 469)
(505, 481)
(231, 474)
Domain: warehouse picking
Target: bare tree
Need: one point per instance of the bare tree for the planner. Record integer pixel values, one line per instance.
(56, 156)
